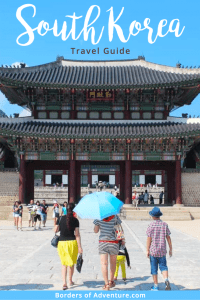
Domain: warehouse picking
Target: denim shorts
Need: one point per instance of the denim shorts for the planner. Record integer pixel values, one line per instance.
(155, 261)
(44, 217)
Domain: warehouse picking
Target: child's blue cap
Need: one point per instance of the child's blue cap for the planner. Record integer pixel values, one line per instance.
(155, 212)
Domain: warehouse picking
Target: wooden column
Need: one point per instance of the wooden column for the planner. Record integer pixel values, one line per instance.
(90, 178)
(29, 182)
(117, 178)
(78, 181)
(43, 178)
(72, 181)
(178, 182)
(22, 179)
(128, 182)
(122, 178)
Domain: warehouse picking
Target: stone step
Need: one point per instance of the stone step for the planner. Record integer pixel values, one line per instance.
(172, 214)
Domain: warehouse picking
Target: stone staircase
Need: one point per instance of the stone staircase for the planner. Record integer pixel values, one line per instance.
(170, 213)
(49, 194)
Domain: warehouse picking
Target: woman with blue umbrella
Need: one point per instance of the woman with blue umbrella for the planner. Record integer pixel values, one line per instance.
(103, 207)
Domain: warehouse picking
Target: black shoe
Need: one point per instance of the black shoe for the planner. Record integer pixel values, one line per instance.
(167, 287)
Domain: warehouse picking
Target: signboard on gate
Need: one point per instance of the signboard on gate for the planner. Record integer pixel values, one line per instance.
(98, 95)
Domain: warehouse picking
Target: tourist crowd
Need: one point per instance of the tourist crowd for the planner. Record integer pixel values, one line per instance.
(111, 240)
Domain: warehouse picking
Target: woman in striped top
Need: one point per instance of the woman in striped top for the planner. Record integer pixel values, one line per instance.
(108, 245)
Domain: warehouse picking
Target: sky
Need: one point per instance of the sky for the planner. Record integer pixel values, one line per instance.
(166, 50)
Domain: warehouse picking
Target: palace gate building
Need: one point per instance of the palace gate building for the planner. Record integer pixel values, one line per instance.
(101, 120)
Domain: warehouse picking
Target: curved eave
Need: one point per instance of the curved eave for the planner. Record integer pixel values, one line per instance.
(114, 131)
(9, 83)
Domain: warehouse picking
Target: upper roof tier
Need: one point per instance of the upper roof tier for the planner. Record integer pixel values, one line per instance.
(100, 74)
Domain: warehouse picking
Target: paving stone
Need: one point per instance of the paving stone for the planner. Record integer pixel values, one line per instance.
(29, 262)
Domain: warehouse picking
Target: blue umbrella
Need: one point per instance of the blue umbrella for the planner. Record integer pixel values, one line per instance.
(98, 205)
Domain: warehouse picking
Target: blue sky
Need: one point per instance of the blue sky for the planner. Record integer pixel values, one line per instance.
(166, 50)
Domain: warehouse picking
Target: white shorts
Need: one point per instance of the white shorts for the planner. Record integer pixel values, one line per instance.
(16, 215)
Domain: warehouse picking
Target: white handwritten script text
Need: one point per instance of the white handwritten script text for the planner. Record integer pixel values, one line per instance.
(88, 29)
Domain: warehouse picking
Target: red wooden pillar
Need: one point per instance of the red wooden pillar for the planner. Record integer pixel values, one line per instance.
(178, 182)
(72, 181)
(22, 179)
(122, 178)
(78, 181)
(43, 178)
(29, 182)
(128, 182)
(90, 178)
(117, 178)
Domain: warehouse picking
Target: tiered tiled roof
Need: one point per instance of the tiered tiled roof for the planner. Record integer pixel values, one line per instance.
(109, 74)
(67, 130)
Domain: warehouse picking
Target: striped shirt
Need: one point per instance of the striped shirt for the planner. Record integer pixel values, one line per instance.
(158, 231)
(107, 230)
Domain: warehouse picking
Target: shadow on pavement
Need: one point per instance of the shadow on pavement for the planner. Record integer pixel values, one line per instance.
(23, 287)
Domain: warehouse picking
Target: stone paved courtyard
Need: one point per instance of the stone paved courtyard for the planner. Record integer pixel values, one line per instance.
(29, 262)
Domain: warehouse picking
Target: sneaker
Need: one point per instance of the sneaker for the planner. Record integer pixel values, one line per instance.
(21, 229)
(39, 228)
(154, 288)
(34, 228)
(124, 279)
(167, 285)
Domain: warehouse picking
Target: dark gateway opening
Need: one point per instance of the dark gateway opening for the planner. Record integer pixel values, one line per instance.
(56, 179)
(103, 178)
(150, 179)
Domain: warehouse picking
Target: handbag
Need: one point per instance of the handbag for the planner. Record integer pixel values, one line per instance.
(119, 233)
(79, 263)
(54, 241)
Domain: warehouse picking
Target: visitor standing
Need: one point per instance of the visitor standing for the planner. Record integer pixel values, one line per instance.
(44, 210)
(30, 215)
(69, 244)
(20, 215)
(157, 234)
(135, 199)
(37, 208)
(14, 205)
(146, 197)
(122, 257)
(16, 212)
(108, 247)
(64, 209)
(55, 211)
(141, 198)
(161, 197)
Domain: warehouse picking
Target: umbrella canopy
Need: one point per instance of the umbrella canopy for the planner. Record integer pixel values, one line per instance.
(98, 205)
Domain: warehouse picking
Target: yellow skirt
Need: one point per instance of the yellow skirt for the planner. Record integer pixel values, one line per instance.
(68, 252)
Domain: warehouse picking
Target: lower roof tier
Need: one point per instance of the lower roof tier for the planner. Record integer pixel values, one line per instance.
(81, 130)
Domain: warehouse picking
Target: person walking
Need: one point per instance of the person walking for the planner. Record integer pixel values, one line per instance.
(37, 208)
(135, 199)
(161, 197)
(146, 197)
(108, 247)
(16, 214)
(20, 215)
(69, 244)
(44, 211)
(30, 215)
(55, 211)
(64, 209)
(14, 205)
(157, 234)
(122, 257)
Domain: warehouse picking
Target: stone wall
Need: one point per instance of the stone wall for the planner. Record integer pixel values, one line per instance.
(190, 187)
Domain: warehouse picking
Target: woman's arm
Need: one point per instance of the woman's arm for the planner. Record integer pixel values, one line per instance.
(96, 228)
(78, 239)
(56, 228)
